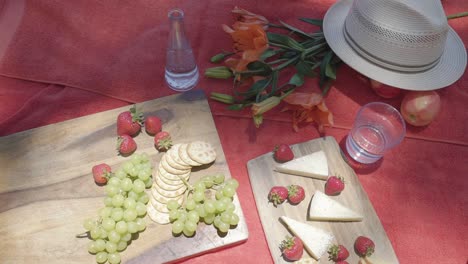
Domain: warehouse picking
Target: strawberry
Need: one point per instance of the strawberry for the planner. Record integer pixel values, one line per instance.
(101, 173)
(162, 141)
(126, 145)
(283, 153)
(364, 246)
(129, 122)
(334, 185)
(295, 194)
(278, 195)
(337, 253)
(153, 125)
(292, 248)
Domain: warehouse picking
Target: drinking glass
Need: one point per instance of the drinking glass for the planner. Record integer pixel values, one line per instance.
(378, 127)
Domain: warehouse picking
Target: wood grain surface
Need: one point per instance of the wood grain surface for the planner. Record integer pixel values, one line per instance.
(47, 189)
(262, 178)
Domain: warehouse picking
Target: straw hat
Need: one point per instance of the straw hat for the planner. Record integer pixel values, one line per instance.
(402, 43)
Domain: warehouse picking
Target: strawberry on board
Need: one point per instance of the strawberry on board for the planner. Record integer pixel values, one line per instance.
(292, 248)
(129, 122)
(334, 185)
(126, 145)
(364, 246)
(283, 153)
(277, 195)
(153, 125)
(295, 194)
(101, 173)
(337, 253)
(162, 141)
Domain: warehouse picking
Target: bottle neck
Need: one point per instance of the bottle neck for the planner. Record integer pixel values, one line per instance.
(177, 38)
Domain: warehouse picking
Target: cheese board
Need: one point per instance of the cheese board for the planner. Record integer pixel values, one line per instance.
(47, 188)
(264, 174)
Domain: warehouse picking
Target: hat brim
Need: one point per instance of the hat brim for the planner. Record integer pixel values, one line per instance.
(448, 70)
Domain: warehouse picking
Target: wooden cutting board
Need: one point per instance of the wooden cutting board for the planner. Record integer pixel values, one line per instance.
(47, 189)
(262, 178)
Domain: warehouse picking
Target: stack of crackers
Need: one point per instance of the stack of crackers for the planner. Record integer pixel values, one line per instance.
(172, 174)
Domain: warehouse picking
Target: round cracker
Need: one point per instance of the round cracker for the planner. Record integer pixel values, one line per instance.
(171, 182)
(168, 194)
(170, 154)
(161, 207)
(163, 163)
(156, 216)
(201, 152)
(185, 157)
(174, 154)
(169, 176)
(167, 187)
(160, 198)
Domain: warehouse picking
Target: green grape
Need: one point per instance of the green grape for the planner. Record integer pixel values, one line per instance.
(132, 227)
(193, 216)
(228, 191)
(200, 209)
(143, 175)
(121, 227)
(113, 258)
(199, 186)
(141, 224)
(190, 204)
(182, 215)
(114, 236)
(174, 215)
(114, 181)
(108, 224)
(111, 247)
(226, 217)
(130, 215)
(117, 214)
(190, 226)
(133, 195)
(89, 223)
(144, 158)
(126, 184)
(173, 204)
(218, 178)
(136, 159)
(129, 203)
(105, 212)
(234, 219)
(220, 206)
(118, 200)
(208, 180)
(126, 237)
(133, 172)
(102, 233)
(140, 208)
(127, 166)
(198, 196)
(230, 207)
(101, 257)
(95, 232)
(233, 183)
(92, 248)
(148, 183)
(108, 201)
(217, 221)
(112, 190)
(219, 194)
(177, 227)
(210, 206)
(143, 198)
(122, 245)
(209, 218)
(188, 233)
(121, 174)
(100, 245)
(227, 200)
(138, 186)
(223, 227)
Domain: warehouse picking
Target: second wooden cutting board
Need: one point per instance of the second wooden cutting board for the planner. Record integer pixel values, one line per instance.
(263, 177)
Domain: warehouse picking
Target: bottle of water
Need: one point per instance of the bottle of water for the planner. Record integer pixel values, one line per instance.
(181, 68)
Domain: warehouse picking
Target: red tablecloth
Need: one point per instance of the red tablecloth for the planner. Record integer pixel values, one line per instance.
(64, 59)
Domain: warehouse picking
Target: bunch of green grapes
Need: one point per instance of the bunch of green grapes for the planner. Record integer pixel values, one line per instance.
(124, 211)
(210, 201)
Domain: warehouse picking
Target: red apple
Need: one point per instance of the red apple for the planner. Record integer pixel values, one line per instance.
(384, 90)
(420, 108)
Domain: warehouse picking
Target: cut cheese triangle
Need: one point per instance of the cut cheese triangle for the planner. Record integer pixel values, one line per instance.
(316, 241)
(322, 207)
(314, 165)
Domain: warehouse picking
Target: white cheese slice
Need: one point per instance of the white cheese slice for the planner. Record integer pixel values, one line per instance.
(314, 165)
(316, 241)
(322, 207)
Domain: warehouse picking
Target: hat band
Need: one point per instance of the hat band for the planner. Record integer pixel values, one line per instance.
(384, 63)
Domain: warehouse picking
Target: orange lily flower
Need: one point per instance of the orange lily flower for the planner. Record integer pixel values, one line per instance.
(245, 18)
(308, 108)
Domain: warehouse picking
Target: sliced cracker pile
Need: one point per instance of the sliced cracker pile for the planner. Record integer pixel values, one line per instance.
(172, 171)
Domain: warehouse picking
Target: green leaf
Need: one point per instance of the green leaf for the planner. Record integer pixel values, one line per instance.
(236, 107)
(284, 41)
(305, 69)
(257, 87)
(274, 83)
(295, 30)
(330, 71)
(323, 67)
(259, 68)
(316, 22)
(297, 79)
(267, 54)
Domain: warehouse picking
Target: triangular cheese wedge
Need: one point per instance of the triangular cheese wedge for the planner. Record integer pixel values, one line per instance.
(314, 165)
(322, 207)
(316, 241)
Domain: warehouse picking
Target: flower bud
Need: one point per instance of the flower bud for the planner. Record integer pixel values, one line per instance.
(265, 105)
(221, 72)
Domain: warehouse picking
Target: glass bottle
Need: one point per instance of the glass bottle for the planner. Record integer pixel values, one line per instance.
(181, 68)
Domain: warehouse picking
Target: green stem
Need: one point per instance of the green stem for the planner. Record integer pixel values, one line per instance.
(457, 15)
(286, 64)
